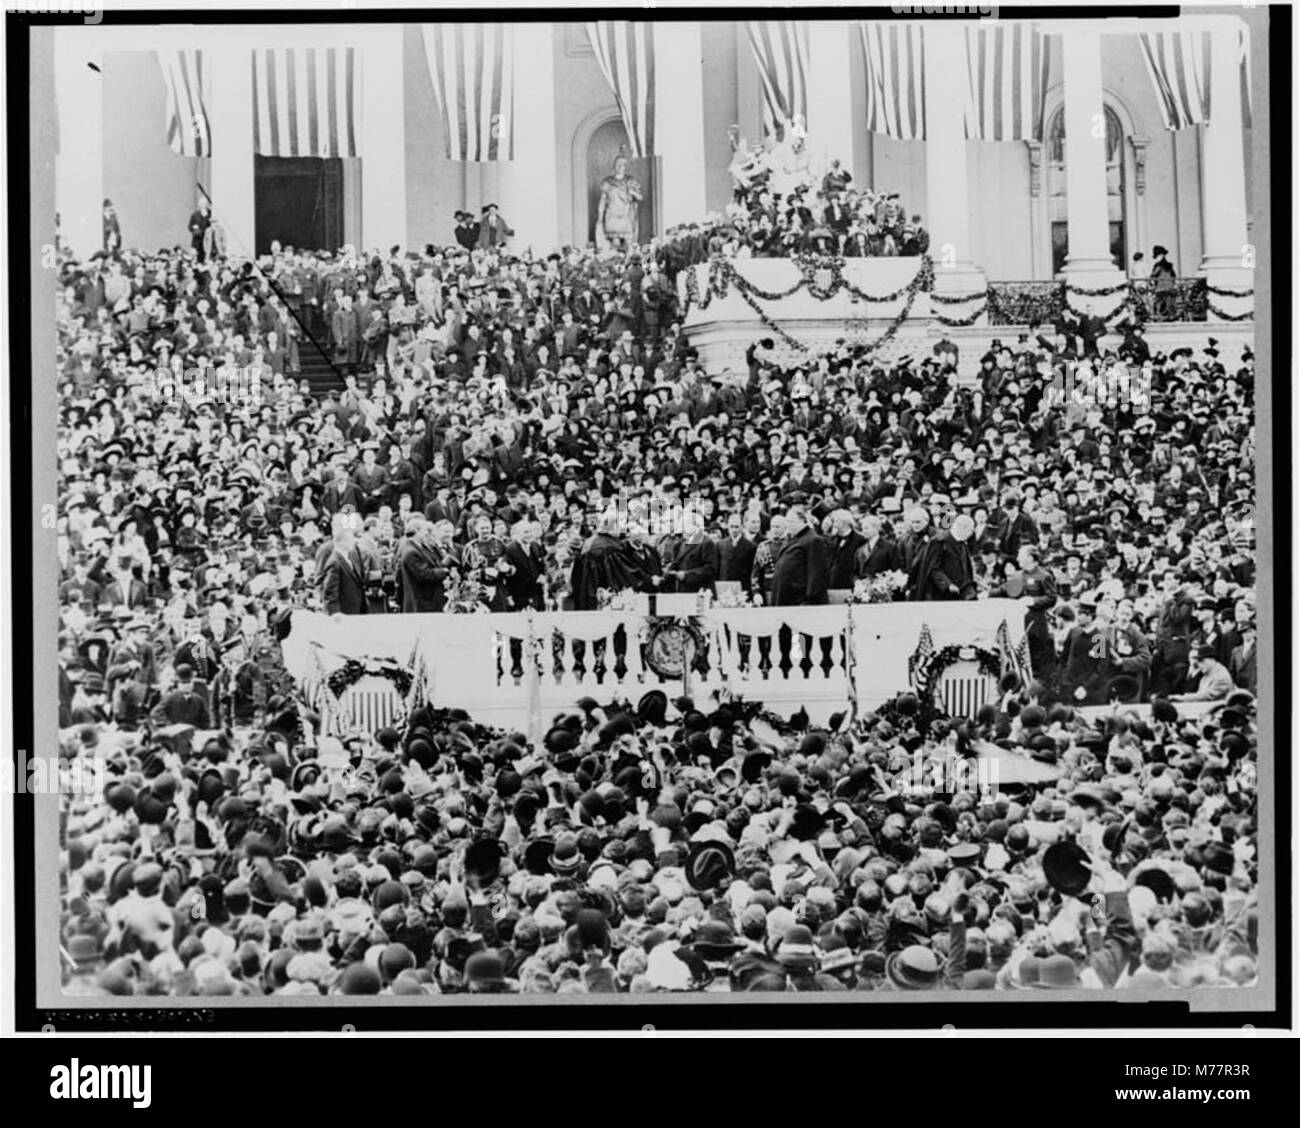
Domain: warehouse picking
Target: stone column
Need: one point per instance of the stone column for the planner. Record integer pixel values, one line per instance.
(1228, 261)
(1089, 263)
(383, 139)
(679, 121)
(947, 211)
(233, 192)
(830, 93)
(531, 201)
(79, 166)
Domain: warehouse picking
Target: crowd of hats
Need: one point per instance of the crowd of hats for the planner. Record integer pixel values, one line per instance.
(667, 846)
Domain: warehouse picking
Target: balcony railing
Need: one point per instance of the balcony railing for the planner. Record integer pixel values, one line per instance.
(1028, 303)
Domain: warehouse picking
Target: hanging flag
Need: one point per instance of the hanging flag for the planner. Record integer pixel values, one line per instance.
(894, 57)
(781, 51)
(472, 67)
(306, 101)
(1014, 658)
(1178, 63)
(188, 88)
(920, 656)
(625, 53)
(1007, 82)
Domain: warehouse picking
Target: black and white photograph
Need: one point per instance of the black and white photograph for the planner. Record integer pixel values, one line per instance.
(649, 504)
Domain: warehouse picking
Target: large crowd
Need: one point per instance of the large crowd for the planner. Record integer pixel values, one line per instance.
(516, 432)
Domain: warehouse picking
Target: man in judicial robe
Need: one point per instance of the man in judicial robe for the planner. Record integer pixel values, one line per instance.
(605, 561)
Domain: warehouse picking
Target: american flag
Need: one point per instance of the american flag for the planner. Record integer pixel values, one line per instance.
(781, 51)
(1014, 657)
(306, 101)
(1007, 82)
(472, 67)
(188, 88)
(625, 53)
(894, 57)
(921, 655)
(1179, 65)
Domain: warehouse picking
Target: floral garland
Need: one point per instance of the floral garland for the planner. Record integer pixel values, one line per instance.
(1249, 315)
(354, 669)
(1100, 292)
(990, 663)
(969, 319)
(723, 275)
(1221, 292)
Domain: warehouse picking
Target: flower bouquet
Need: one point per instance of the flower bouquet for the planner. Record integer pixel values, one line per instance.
(883, 588)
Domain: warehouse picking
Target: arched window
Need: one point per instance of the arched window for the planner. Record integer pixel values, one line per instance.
(1056, 198)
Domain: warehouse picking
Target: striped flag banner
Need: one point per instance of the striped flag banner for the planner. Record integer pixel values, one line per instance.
(188, 89)
(781, 51)
(1015, 658)
(1007, 82)
(894, 58)
(1179, 65)
(625, 53)
(473, 67)
(306, 101)
(920, 656)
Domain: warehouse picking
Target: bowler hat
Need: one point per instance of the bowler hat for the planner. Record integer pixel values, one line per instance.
(1067, 868)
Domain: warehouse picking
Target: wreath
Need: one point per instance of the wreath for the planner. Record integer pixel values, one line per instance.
(665, 646)
(354, 669)
(990, 663)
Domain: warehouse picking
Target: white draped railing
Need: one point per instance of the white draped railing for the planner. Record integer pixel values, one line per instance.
(785, 657)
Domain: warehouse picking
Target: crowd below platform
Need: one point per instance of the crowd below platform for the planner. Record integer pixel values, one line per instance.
(518, 431)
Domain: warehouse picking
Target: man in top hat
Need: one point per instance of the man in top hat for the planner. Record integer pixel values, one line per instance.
(184, 705)
(467, 230)
(1215, 684)
(801, 573)
(493, 229)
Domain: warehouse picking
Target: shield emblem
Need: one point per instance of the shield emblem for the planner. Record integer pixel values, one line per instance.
(822, 278)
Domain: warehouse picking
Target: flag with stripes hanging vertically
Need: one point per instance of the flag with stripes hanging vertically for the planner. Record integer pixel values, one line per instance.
(1006, 88)
(1178, 63)
(625, 53)
(920, 656)
(306, 101)
(188, 88)
(894, 62)
(781, 51)
(1015, 658)
(473, 68)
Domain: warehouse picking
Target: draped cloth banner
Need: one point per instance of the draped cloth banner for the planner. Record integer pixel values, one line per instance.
(306, 101)
(467, 659)
(1178, 63)
(781, 52)
(894, 60)
(472, 67)
(189, 88)
(625, 53)
(1006, 89)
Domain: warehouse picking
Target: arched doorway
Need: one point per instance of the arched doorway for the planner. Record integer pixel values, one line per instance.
(603, 144)
(1057, 208)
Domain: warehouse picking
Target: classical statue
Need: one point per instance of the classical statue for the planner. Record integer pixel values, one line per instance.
(617, 213)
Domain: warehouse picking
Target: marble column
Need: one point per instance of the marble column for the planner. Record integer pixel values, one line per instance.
(530, 181)
(1089, 262)
(679, 121)
(947, 212)
(233, 187)
(79, 166)
(1228, 261)
(383, 139)
(830, 93)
